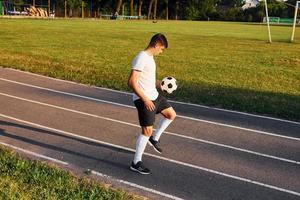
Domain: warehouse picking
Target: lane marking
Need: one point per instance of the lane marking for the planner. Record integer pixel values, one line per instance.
(127, 106)
(67, 93)
(155, 156)
(241, 128)
(236, 148)
(178, 102)
(137, 186)
(93, 172)
(67, 81)
(236, 112)
(170, 133)
(34, 154)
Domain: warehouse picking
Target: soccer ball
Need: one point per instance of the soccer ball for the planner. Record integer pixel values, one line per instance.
(168, 84)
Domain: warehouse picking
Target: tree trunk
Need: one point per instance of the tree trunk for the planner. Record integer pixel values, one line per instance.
(167, 10)
(118, 7)
(49, 8)
(131, 8)
(176, 9)
(70, 12)
(150, 8)
(155, 9)
(123, 9)
(65, 8)
(140, 8)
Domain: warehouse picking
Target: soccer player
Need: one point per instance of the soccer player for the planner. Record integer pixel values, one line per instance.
(148, 101)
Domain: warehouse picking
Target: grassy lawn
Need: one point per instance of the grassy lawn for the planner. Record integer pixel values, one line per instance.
(25, 180)
(227, 65)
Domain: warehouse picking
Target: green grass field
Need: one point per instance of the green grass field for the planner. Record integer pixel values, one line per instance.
(21, 179)
(227, 65)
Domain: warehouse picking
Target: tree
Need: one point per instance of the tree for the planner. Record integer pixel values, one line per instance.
(118, 6)
(277, 9)
(291, 9)
(140, 8)
(182, 9)
(167, 9)
(230, 3)
(192, 10)
(200, 9)
(176, 9)
(155, 9)
(73, 4)
(131, 8)
(150, 8)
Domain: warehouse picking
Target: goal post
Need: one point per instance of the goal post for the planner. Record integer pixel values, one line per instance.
(268, 21)
(295, 20)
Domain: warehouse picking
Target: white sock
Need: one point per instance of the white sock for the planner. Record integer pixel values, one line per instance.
(141, 144)
(163, 124)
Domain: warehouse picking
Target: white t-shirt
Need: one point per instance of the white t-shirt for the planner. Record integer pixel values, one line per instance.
(147, 80)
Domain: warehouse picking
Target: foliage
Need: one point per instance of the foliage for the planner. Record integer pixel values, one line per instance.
(227, 10)
(220, 10)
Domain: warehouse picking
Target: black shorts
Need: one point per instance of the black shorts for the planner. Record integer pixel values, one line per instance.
(147, 117)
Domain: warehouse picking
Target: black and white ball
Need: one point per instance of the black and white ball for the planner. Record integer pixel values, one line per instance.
(168, 84)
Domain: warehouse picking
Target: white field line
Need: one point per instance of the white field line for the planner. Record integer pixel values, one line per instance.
(154, 156)
(178, 102)
(93, 172)
(127, 106)
(137, 186)
(34, 154)
(170, 133)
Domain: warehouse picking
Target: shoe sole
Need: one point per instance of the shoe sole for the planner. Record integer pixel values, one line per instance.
(135, 170)
(154, 147)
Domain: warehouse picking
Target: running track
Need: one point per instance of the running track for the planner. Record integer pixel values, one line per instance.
(208, 153)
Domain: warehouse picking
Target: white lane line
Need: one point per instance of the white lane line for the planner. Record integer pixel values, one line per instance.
(67, 81)
(127, 106)
(170, 133)
(34, 154)
(178, 102)
(236, 112)
(154, 156)
(66, 93)
(137, 186)
(94, 172)
(241, 128)
(236, 148)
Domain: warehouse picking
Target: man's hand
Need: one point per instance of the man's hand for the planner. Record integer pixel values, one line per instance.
(158, 84)
(149, 105)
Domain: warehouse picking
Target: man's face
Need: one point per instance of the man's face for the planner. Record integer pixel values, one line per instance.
(158, 49)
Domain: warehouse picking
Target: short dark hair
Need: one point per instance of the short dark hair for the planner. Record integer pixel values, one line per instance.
(158, 38)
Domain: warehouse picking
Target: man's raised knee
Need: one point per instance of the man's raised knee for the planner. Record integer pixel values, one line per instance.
(173, 115)
(147, 130)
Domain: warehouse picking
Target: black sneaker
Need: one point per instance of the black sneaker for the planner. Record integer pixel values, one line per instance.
(140, 168)
(155, 145)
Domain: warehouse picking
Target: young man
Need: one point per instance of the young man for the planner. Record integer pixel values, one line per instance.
(148, 101)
